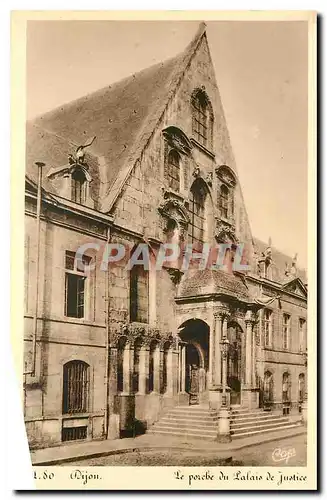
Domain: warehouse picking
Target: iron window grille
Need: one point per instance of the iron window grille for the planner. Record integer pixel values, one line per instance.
(76, 387)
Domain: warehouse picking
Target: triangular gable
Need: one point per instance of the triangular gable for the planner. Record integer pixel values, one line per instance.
(296, 286)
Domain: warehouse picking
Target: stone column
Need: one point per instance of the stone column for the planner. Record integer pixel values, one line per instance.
(127, 369)
(143, 370)
(253, 357)
(183, 368)
(156, 370)
(212, 335)
(170, 372)
(217, 351)
(248, 350)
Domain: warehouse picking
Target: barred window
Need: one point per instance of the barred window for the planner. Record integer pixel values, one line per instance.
(202, 119)
(79, 186)
(301, 387)
(286, 330)
(174, 170)
(197, 213)
(136, 364)
(75, 281)
(268, 387)
(76, 387)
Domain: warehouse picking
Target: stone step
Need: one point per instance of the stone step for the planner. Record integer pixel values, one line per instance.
(186, 425)
(178, 416)
(192, 435)
(187, 428)
(245, 413)
(262, 431)
(185, 411)
(251, 422)
(250, 428)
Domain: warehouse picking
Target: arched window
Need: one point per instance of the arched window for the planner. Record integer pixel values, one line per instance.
(268, 388)
(79, 186)
(76, 387)
(173, 171)
(139, 294)
(197, 213)
(120, 364)
(202, 119)
(286, 387)
(153, 347)
(224, 201)
(136, 364)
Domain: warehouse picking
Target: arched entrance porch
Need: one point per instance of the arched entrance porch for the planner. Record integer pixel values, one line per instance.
(194, 360)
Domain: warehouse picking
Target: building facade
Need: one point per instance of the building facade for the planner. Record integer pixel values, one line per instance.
(108, 348)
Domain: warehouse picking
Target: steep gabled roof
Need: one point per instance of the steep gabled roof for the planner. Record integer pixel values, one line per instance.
(122, 116)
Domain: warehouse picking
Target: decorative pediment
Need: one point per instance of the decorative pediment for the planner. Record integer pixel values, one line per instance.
(173, 208)
(226, 175)
(296, 286)
(177, 139)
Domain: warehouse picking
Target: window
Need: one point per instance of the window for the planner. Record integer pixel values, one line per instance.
(197, 213)
(139, 294)
(75, 285)
(286, 330)
(76, 387)
(174, 170)
(301, 334)
(79, 186)
(301, 387)
(267, 327)
(223, 201)
(286, 396)
(202, 119)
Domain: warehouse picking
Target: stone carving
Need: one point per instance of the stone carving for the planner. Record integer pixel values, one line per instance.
(143, 333)
(175, 275)
(225, 231)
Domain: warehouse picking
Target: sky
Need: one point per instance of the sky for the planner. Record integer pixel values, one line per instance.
(261, 70)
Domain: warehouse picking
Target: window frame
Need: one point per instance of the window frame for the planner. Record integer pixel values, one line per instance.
(78, 186)
(174, 170)
(75, 273)
(302, 325)
(267, 327)
(197, 204)
(202, 119)
(286, 331)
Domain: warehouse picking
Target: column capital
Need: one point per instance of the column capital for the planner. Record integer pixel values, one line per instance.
(221, 313)
(250, 317)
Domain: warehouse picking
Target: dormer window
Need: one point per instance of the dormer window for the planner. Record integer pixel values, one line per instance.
(174, 170)
(79, 185)
(202, 118)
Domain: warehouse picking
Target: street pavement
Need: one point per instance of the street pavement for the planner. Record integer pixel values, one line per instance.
(280, 453)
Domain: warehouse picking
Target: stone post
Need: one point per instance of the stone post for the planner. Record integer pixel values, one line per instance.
(224, 413)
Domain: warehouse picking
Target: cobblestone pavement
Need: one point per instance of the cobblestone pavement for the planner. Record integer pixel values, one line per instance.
(264, 454)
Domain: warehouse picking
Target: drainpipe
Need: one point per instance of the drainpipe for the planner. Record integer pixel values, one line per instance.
(107, 321)
(40, 165)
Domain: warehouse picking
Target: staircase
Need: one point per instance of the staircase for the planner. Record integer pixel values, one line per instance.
(194, 422)
(246, 423)
(199, 422)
